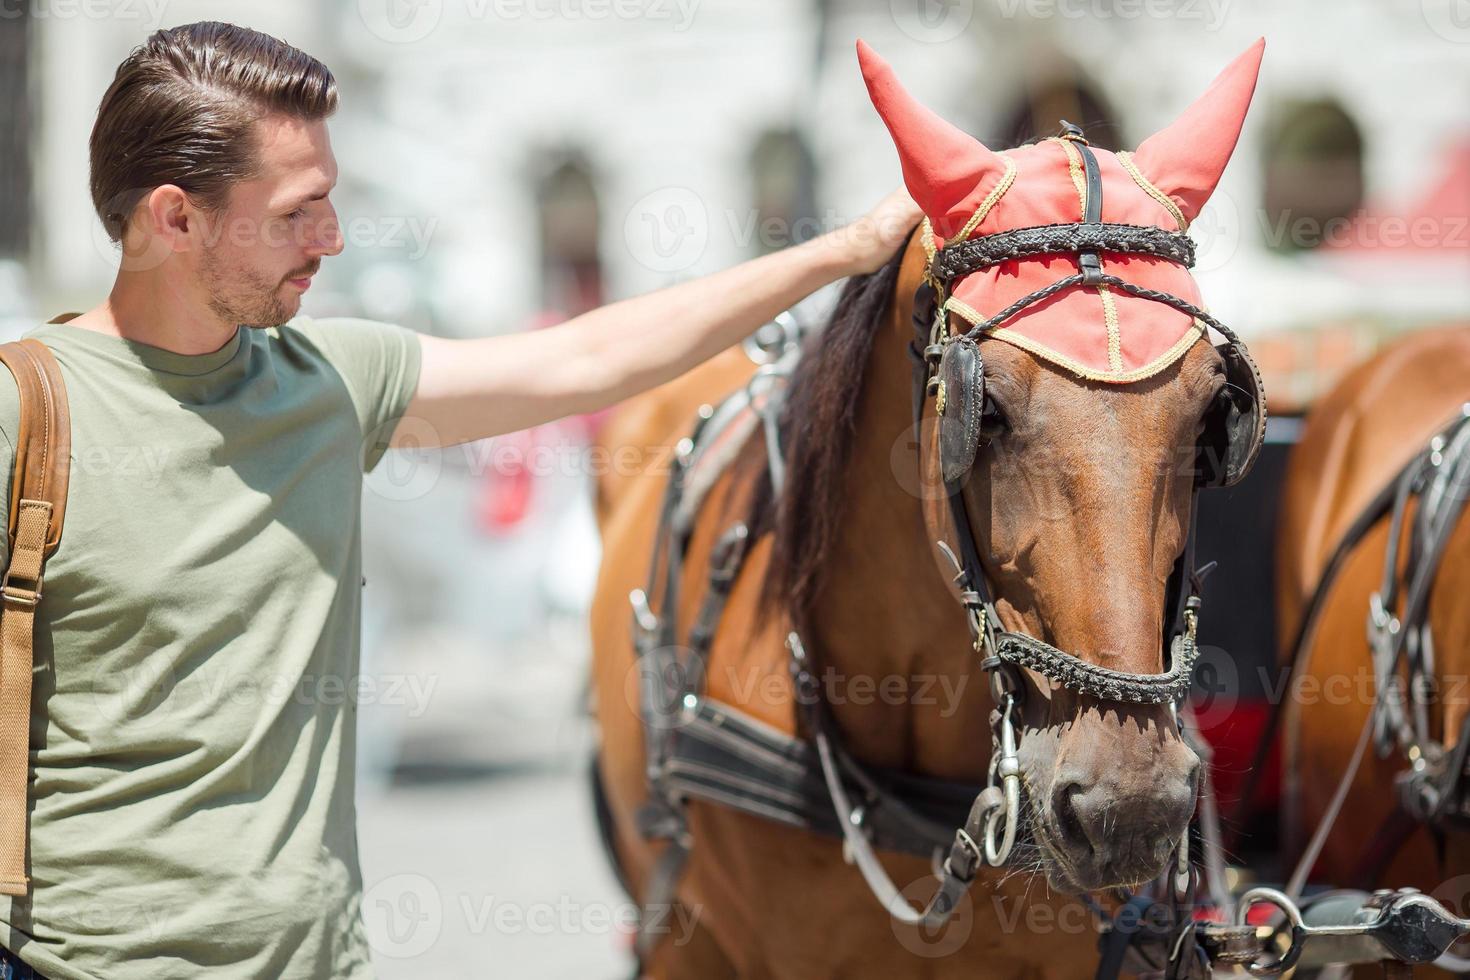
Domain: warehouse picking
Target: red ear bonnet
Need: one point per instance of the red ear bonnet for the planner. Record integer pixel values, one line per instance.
(966, 189)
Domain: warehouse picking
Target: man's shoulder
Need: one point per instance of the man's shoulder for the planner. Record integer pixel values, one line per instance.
(356, 346)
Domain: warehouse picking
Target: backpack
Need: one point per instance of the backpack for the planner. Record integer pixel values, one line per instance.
(37, 508)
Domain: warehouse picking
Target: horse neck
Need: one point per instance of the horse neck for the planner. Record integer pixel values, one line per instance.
(890, 636)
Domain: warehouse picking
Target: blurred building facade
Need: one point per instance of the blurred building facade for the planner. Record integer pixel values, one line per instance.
(506, 159)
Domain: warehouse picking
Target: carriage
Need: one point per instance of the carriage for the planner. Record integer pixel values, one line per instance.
(917, 650)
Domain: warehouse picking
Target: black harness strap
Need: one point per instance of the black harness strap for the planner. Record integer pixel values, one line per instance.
(1088, 258)
(1388, 500)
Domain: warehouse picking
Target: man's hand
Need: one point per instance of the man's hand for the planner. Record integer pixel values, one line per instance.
(471, 389)
(873, 238)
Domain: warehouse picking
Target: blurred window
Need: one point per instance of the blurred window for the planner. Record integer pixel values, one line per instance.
(15, 132)
(783, 192)
(1313, 172)
(571, 269)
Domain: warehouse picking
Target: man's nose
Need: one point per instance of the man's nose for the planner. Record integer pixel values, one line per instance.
(328, 237)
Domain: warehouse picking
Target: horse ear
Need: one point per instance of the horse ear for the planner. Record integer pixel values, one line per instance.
(1186, 158)
(942, 164)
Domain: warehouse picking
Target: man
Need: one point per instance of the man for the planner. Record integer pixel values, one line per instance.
(192, 735)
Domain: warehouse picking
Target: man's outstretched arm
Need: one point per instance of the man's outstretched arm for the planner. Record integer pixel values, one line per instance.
(471, 389)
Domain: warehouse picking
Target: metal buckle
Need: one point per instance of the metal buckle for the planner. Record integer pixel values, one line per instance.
(19, 594)
(808, 689)
(643, 616)
(728, 552)
(1379, 618)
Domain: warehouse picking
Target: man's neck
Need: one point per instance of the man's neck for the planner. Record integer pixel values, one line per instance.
(157, 315)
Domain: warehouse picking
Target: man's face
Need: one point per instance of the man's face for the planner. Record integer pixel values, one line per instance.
(261, 251)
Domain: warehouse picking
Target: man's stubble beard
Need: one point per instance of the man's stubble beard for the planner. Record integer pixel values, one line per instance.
(242, 296)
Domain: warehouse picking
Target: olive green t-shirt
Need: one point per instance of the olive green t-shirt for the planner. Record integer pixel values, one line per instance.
(193, 724)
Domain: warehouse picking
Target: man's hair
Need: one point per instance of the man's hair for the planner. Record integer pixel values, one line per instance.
(182, 108)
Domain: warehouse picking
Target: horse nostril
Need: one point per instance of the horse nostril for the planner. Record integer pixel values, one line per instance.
(1187, 793)
(1069, 822)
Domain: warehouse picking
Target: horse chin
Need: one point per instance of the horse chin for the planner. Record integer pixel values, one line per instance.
(1060, 874)
(1076, 878)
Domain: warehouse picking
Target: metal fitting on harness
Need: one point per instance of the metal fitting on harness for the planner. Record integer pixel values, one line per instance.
(808, 690)
(1072, 131)
(728, 552)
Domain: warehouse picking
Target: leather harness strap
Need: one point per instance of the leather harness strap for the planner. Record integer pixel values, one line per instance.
(37, 510)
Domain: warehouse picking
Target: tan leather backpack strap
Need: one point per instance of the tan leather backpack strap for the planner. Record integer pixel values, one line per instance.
(37, 508)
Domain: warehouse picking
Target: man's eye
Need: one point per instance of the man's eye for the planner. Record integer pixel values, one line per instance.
(298, 213)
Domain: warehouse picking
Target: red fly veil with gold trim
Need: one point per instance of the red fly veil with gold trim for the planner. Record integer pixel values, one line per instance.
(967, 190)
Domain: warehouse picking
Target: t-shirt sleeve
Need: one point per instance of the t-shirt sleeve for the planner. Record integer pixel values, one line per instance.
(379, 362)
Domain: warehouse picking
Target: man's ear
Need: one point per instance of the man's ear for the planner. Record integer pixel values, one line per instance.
(163, 222)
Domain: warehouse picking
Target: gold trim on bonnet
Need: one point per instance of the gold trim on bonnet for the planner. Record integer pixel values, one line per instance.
(1115, 332)
(1074, 167)
(991, 200)
(967, 313)
(1126, 159)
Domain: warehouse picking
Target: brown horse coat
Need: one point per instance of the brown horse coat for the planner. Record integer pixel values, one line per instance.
(1357, 438)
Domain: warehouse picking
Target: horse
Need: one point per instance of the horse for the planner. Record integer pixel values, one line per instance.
(1334, 535)
(1081, 518)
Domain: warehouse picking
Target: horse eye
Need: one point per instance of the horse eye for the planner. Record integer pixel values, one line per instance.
(992, 418)
(1219, 403)
(1217, 410)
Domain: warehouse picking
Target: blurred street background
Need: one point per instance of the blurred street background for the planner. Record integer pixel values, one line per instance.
(506, 164)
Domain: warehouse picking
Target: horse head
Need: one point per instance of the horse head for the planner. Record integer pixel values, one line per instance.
(1085, 445)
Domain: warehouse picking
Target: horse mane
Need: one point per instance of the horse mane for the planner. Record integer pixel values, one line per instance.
(818, 424)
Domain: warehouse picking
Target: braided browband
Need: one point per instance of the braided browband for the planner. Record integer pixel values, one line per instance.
(1101, 682)
(1158, 296)
(961, 259)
